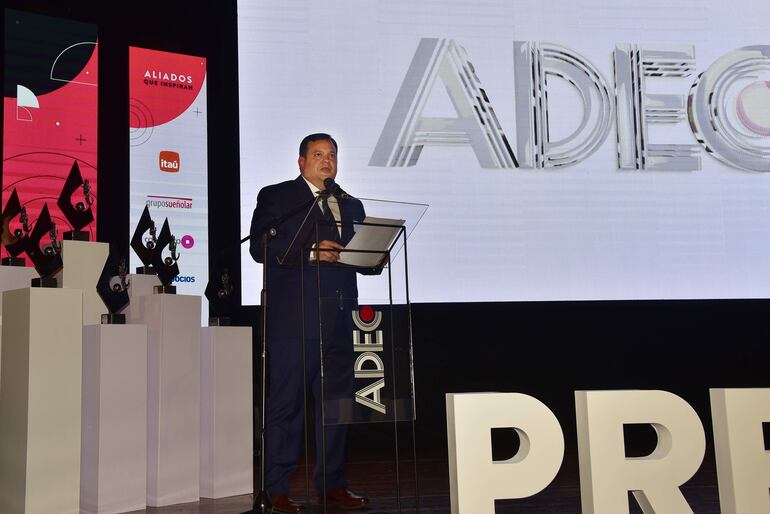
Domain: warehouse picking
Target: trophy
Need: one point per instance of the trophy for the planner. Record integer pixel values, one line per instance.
(47, 260)
(165, 267)
(54, 247)
(113, 289)
(15, 241)
(145, 246)
(80, 214)
(219, 292)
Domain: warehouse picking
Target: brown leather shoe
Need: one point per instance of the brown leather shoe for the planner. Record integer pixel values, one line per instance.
(286, 505)
(345, 499)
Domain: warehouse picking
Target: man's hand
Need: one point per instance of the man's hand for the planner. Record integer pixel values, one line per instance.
(328, 251)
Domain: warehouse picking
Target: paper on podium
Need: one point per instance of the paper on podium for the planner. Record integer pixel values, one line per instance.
(372, 240)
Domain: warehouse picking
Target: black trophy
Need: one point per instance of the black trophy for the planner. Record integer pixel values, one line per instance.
(220, 294)
(47, 260)
(15, 241)
(80, 214)
(54, 247)
(144, 246)
(165, 267)
(113, 289)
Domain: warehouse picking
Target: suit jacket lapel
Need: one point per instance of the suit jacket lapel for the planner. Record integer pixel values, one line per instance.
(303, 191)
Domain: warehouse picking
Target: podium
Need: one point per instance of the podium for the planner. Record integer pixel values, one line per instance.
(354, 342)
(173, 395)
(40, 399)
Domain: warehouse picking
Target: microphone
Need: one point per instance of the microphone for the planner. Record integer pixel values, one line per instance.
(334, 189)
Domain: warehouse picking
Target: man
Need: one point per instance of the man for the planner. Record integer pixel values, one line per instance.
(311, 229)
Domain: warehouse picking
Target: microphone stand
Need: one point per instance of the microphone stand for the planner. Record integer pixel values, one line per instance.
(262, 502)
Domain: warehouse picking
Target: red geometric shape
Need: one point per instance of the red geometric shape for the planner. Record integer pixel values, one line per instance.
(366, 313)
(164, 83)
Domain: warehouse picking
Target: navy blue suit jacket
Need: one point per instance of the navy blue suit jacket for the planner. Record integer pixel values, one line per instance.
(293, 284)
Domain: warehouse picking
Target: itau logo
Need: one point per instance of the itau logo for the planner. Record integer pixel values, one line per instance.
(168, 161)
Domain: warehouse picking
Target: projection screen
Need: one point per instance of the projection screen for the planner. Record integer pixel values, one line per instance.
(569, 150)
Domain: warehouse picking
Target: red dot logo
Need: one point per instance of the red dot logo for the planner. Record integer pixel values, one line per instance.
(366, 313)
(187, 241)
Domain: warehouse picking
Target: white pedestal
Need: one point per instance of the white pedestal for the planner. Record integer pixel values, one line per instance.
(226, 412)
(40, 401)
(113, 469)
(83, 264)
(173, 395)
(140, 285)
(13, 277)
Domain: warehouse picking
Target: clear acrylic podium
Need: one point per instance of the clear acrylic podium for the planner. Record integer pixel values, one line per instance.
(361, 340)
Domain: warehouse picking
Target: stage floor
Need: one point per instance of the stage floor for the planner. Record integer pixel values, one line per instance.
(375, 480)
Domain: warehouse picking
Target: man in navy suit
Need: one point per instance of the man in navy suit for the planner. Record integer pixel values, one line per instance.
(311, 229)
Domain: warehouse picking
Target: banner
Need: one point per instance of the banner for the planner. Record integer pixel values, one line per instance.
(50, 99)
(169, 166)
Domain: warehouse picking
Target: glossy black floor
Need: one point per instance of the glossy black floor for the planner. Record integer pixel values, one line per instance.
(376, 480)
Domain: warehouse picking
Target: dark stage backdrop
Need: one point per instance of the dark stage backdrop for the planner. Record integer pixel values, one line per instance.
(551, 349)
(546, 349)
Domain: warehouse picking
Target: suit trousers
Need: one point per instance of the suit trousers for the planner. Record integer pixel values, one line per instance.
(286, 409)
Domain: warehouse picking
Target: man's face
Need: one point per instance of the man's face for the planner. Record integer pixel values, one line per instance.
(319, 162)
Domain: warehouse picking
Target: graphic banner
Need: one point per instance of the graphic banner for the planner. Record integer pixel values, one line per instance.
(169, 166)
(50, 99)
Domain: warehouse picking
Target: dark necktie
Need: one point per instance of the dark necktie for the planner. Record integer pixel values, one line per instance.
(328, 228)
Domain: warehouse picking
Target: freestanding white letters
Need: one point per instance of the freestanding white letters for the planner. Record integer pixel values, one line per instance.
(606, 474)
(475, 480)
(743, 463)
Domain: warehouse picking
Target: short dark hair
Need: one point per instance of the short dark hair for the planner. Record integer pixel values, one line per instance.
(320, 136)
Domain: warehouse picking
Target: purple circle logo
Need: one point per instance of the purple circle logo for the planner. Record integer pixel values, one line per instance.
(187, 241)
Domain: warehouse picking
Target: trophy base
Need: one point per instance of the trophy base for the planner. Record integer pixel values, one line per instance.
(219, 321)
(113, 318)
(146, 270)
(164, 289)
(77, 235)
(45, 282)
(14, 261)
